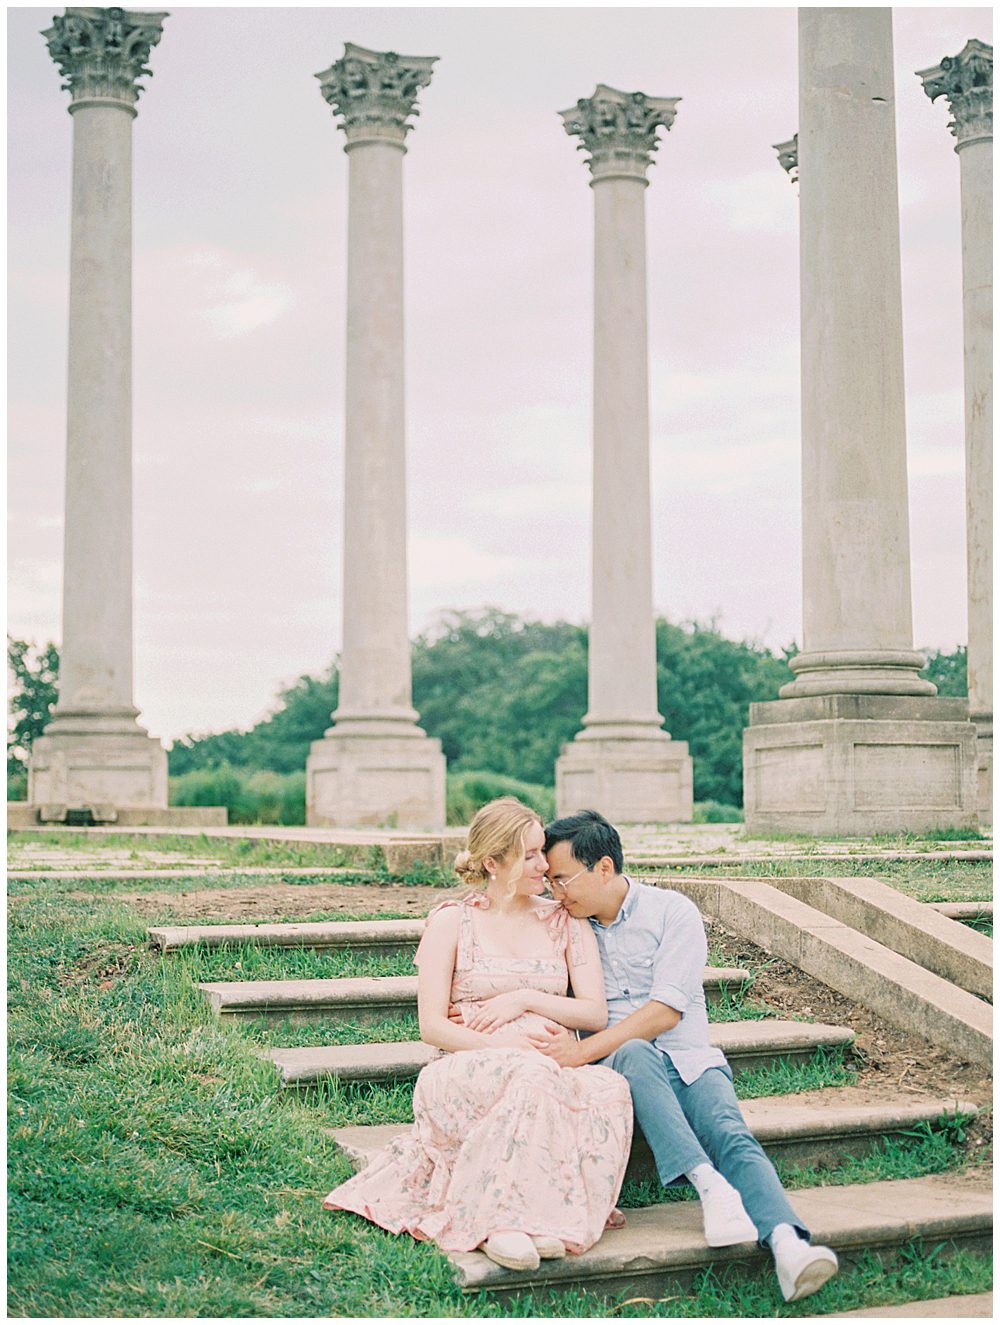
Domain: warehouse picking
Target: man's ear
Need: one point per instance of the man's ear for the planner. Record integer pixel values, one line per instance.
(607, 868)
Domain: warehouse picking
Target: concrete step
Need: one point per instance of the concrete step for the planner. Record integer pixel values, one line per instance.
(662, 1248)
(747, 1044)
(910, 928)
(963, 911)
(965, 1306)
(364, 1000)
(849, 961)
(188, 870)
(378, 937)
(813, 1130)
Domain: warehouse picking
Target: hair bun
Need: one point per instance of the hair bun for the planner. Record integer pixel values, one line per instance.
(467, 869)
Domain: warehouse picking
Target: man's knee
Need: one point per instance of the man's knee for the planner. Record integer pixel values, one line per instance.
(634, 1057)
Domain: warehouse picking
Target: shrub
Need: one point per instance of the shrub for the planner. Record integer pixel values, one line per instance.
(468, 792)
(260, 797)
(17, 786)
(715, 812)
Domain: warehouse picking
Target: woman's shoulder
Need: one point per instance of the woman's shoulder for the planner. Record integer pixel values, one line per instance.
(452, 909)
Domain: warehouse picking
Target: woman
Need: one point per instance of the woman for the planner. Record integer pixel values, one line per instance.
(508, 1150)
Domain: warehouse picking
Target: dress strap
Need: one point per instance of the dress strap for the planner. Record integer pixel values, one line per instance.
(564, 931)
(466, 954)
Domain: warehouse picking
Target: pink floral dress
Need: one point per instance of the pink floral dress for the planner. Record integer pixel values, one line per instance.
(502, 1138)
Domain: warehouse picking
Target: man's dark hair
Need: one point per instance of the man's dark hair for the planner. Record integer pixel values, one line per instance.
(590, 837)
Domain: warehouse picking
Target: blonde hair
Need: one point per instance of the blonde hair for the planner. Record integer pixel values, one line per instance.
(497, 830)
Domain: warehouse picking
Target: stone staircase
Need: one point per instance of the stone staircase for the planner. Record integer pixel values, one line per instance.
(662, 1248)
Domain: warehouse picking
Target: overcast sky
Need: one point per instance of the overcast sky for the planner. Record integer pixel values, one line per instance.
(240, 213)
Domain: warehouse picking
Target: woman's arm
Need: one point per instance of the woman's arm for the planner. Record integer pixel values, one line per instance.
(587, 1010)
(435, 971)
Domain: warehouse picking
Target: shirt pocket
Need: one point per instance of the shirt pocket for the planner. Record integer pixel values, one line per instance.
(640, 977)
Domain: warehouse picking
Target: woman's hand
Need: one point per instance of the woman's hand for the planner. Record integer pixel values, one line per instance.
(498, 1010)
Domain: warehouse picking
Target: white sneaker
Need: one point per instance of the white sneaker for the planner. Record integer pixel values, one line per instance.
(726, 1221)
(802, 1269)
(550, 1249)
(514, 1251)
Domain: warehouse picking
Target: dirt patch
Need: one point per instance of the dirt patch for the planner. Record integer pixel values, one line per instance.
(268, 901)
(891, 1061)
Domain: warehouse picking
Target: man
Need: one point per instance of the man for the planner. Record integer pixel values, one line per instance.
(653, 950)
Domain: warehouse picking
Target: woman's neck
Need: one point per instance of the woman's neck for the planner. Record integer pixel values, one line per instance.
(505, 905)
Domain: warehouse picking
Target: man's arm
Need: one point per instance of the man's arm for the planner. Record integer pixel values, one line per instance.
(646, 1023)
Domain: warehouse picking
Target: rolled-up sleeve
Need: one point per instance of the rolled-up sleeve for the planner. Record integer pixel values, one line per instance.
(678, 968)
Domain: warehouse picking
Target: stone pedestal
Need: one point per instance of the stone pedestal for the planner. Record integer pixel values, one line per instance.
(966, 80)
(859, 743)
(622, 763)
(640, 781)
(375, 765)
(383, 781)
(94, 754)
(854, 765)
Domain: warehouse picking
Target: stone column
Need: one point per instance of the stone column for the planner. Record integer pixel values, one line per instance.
(966, 80)
(622, 763)
(375, 765)
(93, 755)
(859, 742)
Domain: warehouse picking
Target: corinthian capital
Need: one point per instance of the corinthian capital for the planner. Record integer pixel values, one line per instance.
(375, 92)
(966, 80)
(102, 53)
(788, 157)
(618, 129)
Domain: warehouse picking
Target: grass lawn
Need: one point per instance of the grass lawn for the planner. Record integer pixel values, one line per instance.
(156, 1170)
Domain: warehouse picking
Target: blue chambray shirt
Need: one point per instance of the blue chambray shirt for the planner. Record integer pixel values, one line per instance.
(655, 948)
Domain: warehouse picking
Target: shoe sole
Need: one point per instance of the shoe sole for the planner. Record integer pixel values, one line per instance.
(509, 1262)
(812, 1279)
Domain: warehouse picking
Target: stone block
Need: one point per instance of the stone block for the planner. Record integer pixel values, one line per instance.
(640, 781)
(856, 765)
(908, 927)
(389, 781)
(78, 769)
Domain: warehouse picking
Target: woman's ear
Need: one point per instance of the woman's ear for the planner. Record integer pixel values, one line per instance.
(489, 865)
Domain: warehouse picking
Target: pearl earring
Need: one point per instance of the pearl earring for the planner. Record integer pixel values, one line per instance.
(493, 878)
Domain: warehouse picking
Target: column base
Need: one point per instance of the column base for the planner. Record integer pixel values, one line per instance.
(628, 781)
(386, 781)
(855, 765)
(102, 761)
(983, 723)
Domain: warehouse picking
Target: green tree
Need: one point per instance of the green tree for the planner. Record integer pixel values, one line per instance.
(705, 685)
(948, 671)
(34, 674)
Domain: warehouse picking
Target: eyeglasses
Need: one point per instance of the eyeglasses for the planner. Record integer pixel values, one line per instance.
(555, 886)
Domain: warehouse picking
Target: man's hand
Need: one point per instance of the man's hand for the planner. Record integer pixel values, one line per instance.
(496, 1011)
(561, 1045)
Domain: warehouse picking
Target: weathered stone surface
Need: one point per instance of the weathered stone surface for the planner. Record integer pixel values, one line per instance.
(963, 910)
(746, 1044)
(816, 1133)
(908, 927)
(662, 1247)
(850, 962)
(965, 1307)
(375, 936)
(859, 764)
(363, 1000)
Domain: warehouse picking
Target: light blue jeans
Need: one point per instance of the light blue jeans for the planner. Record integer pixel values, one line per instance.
(701, 1124)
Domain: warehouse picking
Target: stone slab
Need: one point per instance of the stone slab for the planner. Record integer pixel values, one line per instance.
(363, 1000)
(22, 815)
(820, 1133)
(850, 962)
(199, 870)
(629, 781)
(663, 1247)
(353, 780)
(967, 1306)
(382, 937)
(908, 927)
(963, 911)
(747, 1044)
